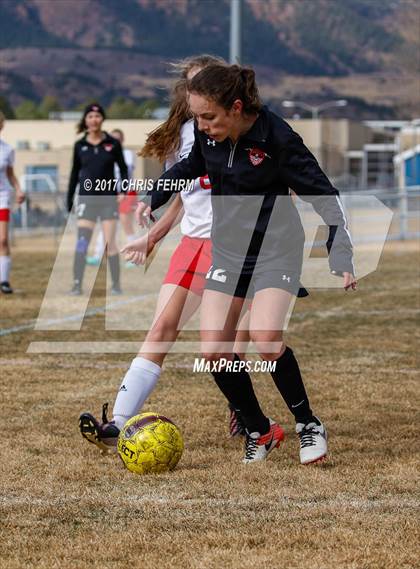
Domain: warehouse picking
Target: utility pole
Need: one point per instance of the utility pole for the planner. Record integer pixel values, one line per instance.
(235, 55)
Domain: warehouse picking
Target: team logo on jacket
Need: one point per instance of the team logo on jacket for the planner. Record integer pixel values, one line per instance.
(108, 147)
(205, 182)
(256, 156)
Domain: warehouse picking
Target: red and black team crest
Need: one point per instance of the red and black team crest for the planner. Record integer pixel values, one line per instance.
(256, 156)
(108, 147)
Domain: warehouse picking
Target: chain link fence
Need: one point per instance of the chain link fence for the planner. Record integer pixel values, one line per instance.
(44, 211)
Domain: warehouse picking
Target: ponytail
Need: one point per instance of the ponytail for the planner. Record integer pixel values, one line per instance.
(224, 84)
(164, 140)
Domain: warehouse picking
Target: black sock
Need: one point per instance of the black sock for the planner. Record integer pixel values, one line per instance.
(236, 386)
(114, 267)
(289, 382)
(83, 239)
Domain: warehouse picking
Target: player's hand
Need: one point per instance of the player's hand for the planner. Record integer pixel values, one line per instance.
(350, 282)
(137, 251)
(142, 214)
(20, 197)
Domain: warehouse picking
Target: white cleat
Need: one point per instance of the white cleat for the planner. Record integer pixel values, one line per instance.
(313, 441)
(258, 447)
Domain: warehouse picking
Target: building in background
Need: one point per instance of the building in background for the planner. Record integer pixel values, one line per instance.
(44, 149)
(382, 157)
(407, 159)
(356, 156)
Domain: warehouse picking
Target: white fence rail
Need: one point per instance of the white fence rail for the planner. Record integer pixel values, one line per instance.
(45, 210)
(404, 204)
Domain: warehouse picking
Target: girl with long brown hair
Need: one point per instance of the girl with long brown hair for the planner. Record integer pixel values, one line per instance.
(252, 158)
(183, 285)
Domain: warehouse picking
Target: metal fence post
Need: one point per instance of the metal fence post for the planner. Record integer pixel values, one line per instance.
(403, 212)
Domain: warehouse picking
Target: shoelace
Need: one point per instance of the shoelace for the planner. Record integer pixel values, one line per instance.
(108, 429)
(105, 413)
(307, 437)
(251, 446)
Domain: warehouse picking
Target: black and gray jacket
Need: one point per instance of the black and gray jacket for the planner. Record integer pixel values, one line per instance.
(264, 163)
(95, 162)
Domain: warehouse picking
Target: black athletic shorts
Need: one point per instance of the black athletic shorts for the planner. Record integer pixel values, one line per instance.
(97, 207)
(246, 285)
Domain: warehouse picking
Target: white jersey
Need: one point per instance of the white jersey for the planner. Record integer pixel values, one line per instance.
(7, 159)
(198, 214)
(130, 161)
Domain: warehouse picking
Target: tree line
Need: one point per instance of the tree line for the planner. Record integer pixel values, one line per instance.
(119, 108)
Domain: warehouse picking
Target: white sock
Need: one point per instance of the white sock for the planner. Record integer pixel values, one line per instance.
(100, 244)
(5, 264)
(131, 238)
(137, 385)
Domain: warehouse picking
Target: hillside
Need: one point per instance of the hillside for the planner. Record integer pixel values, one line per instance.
(308, 49)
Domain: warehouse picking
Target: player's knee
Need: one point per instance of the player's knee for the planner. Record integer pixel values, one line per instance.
(268, 343)
(82, 246)
(83, 238)
(112, 251)
(162, 331)
(265, 336)
(210, 356)
(4, 245)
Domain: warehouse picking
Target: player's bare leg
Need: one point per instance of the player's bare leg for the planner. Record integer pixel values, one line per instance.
(175, 306)
(109, 227)
(127, 222)
(5, 262)
(219, 317)
(269, 313)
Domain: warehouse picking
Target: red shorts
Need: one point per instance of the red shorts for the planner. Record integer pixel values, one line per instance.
(5, 214)
(189, 264)
(129, 203)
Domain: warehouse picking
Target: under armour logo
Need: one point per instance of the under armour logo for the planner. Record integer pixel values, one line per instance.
(286, 278)
(211, 142)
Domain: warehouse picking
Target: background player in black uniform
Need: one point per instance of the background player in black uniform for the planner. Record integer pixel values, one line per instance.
(94, 158)
(249, 151)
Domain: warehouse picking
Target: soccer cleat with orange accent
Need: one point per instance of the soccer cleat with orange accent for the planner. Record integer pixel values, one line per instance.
(258, 447)
(313, 441)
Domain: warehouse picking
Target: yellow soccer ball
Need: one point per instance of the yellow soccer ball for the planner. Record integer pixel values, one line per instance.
(150, 443)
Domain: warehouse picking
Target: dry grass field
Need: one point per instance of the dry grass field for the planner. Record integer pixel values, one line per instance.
(63, 505)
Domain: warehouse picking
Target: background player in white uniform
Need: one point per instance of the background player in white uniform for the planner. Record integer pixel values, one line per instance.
(183, 285)
(8, 180)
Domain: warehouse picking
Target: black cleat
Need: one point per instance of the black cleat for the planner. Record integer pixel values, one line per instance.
(6, 288)
(76, 290)
(236, 424)
(104, 435)
(116, 290)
